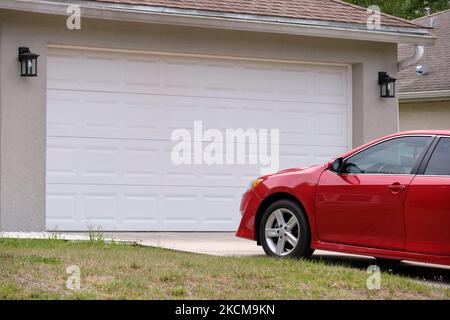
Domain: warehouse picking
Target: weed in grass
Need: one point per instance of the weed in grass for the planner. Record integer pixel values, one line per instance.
(43, 295)
(80, 295)
(55, 236)
(41, 259)
(96, 236)
(187, 264)
(268, 285)
(117, 285)
(134, 265)
(6, 256)
(178, 292)
(131, 284)
(249, 274)
(171, 276)
(8, 290)
(156, 293)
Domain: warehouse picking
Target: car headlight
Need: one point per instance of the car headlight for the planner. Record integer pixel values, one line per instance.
(254, 183)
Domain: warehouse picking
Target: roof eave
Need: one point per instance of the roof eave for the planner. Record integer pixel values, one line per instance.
(424, 96)
(219, 20)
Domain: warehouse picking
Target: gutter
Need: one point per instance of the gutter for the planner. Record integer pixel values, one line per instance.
(222, 20)
(440, 95)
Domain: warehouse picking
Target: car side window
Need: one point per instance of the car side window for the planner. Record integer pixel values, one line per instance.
(395, 156)
(439, 163)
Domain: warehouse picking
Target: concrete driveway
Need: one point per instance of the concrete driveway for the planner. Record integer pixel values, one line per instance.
(213, 243)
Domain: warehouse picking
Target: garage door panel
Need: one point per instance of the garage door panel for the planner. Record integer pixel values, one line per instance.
(331, 84)
(102, 115)
(293, 82)
(61, 206)
(221, 77)
(63, 112)
(79, 207)
(63, 60)
(128, 162)
(131, 162)
(190, 76)
(215, 205)
(295, 156)
(110, 117)
(139, 207)
(101, 208)
(94, 114)
(100, 72)
(141, 73)
(62, 159)
(103, 161)
(330, 124)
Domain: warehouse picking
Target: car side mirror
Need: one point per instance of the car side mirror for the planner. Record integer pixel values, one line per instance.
(338, 165)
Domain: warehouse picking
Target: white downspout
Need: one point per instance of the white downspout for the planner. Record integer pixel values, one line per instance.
(419, 51)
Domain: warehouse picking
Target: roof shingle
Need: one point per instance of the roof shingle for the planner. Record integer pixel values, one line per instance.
(436, 58)
(322, 10)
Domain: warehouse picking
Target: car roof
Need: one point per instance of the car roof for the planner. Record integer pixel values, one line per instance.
(399, 134)
(432, 132)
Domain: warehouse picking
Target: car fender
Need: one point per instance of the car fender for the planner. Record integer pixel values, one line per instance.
(301, 186)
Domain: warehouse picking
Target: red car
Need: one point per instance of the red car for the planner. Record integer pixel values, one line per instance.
(389, 199)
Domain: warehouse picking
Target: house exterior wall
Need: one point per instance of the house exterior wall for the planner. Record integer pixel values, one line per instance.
(425, 115)
(23, 101)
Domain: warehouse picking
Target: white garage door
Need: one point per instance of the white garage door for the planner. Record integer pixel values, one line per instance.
(110, 116)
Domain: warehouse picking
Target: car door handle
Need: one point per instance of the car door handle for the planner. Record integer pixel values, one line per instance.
(396, 187)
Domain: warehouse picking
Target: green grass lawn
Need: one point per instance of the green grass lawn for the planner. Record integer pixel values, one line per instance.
(36, 269)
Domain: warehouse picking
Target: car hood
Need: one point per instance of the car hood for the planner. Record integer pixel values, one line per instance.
(290, 171)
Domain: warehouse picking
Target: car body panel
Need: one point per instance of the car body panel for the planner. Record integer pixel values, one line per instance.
(249, 205)
(397, 224)
(427, 215)
(382, 253)
(361, 210)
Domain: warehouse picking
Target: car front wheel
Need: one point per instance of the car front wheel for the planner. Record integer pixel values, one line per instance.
(285, 231)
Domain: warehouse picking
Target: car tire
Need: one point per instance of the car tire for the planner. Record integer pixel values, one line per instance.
(282, 223)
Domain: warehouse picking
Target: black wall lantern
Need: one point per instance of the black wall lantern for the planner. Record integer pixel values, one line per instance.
(28, 62)
(387, 85)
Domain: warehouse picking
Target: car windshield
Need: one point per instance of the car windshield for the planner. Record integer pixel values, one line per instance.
(395, 156)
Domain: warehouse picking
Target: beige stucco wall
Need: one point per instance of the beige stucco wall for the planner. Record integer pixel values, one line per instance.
(425, 115)
(23, 101)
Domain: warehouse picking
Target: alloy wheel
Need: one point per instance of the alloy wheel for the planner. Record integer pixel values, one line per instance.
(282, 231)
